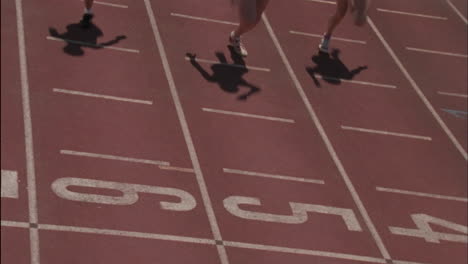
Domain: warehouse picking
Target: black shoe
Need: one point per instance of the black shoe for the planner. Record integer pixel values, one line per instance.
(86, 20)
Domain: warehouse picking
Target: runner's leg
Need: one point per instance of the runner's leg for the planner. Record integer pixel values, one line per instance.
(335, 19)
(250, 14)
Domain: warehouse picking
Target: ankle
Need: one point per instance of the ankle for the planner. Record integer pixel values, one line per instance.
(235, 35)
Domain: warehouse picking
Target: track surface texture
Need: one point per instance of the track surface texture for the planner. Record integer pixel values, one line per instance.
(117, 148)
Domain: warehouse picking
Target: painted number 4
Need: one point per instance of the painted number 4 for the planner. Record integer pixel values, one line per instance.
(425, 231)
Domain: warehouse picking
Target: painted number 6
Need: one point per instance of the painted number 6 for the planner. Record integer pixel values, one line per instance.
(129, 193)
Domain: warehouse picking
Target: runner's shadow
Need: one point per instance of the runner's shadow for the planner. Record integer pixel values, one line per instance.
(331, 69)
(78, 37)
(227, 75)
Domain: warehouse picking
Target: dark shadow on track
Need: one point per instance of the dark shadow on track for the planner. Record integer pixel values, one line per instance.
(331, 69)
(78, 37)
(227, 75)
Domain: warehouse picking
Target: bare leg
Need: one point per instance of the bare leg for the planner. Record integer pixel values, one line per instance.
(341, 8)
(250, 13)
(89, 4)
(335, 19)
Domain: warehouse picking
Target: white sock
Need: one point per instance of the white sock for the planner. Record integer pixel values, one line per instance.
(88, 11)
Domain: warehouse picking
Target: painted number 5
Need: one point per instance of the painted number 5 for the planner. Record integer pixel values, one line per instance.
(129, 193)
(425, 231)
(299, 212)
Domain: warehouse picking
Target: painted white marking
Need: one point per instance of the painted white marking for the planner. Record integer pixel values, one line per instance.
(359, 82)
(333, 37)
(109, 4)
(272, 176)
(109, 97)
(231, 65)
(304, 252)
(285, 120)
(438, 52)
(92, 45)
(381, 132)
(15, 224)
(357, 200)
(425, 231)
(9, 184)
(453, 94)
(429, 195)
(405, 262)
(129, 191)
(28, 133)
(205, 19)
(204, 241)
(457, 11)
(410, 14)
(299, 212)
(419, 91)
(111, 232)
(187, 136)
(322, 1)
(172, 168)
(112, 157)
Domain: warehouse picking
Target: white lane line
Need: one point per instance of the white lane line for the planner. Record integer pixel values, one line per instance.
(454, 94)
(457, 11)
(272, 176)
(429, 195)
(92, 45)
(28, 133)
(359, 82)
(405, 262)
(322, 1)
(231, 65)
(309, 252)
(205, 19)
(131, 234)
(203, 241)
(109, 4)
(357, 200)
(381, 132)
(285, 120)
(109, 97)
(187, 136)
(14, 224)
(410, 14)
(112, 157)
(438, 52)
(320, 36)
(9, 186)
(419, 91)
(179, 169)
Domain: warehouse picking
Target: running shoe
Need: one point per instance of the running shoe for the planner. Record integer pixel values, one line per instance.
(323, 46)
(236, 43)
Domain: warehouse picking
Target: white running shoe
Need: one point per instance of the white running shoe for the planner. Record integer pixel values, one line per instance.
(236, 43)
(323, 46)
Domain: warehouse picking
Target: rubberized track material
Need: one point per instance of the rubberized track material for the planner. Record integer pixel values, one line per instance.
(119, 146)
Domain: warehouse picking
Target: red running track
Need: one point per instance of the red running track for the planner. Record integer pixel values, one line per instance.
(134, 154)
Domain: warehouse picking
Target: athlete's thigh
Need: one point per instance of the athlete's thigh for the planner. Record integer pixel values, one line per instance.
(247, 10)
(341, 6)
(261, 6)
